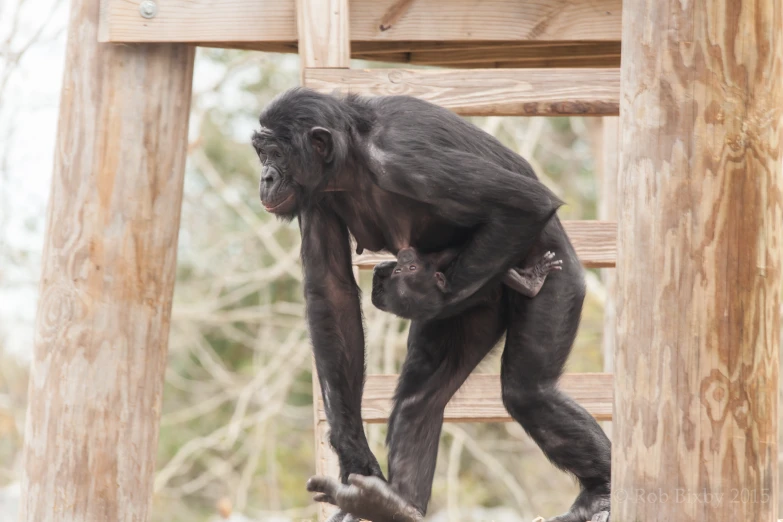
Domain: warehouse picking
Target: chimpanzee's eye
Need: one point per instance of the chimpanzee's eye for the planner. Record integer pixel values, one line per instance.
(397, 270)
(275, 154)
(412, 267)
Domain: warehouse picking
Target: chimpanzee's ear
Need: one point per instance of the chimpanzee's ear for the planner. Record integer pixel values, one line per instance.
(440, 281)
(321, 140)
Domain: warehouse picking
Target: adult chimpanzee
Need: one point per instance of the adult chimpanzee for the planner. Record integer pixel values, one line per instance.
(416, 281)
(395, 168)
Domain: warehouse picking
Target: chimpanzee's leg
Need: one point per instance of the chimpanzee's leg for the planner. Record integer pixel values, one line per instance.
(540, 335)
(441, 355)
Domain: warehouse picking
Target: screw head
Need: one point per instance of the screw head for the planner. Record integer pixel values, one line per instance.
(148, 9)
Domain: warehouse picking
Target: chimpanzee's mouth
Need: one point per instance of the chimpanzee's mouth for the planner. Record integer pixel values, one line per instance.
(275, 206)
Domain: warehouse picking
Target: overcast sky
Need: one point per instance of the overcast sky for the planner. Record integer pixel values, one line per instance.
(28, 122)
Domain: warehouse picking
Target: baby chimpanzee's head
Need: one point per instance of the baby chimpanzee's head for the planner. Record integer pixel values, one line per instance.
(414, 278)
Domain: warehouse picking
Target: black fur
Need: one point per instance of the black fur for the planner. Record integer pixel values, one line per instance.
(396, 172)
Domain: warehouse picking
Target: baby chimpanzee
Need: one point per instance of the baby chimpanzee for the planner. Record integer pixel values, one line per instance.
(419, 277)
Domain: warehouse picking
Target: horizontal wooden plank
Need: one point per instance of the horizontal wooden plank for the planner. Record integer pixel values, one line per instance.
(554, 47)
(486, 92)
(546, 62)
(595, 243)
(479, 399)
(442, 20)
(471, 55)
(515, 52)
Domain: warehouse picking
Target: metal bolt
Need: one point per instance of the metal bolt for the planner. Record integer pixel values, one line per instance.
(148, 9)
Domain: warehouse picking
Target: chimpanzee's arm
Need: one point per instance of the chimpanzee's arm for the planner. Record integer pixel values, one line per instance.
(508, 209)
(334, 317)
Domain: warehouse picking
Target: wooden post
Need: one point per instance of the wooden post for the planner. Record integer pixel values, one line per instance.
(108, 276)
(699, 262)
(607, 211)
(324, 34)
(324, 42)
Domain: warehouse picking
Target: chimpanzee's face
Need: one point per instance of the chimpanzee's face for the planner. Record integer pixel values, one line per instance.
(278, 188)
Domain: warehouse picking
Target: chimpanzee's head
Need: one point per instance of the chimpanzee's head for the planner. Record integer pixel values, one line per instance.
(302, 142)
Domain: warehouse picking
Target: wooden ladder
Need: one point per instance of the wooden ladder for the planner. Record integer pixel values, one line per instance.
(469, 92)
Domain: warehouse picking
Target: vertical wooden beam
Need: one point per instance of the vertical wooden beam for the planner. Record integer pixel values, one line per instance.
(324, 38)
(108, 274)
(604, 143)
(699, 262)
(607, 211)
(324, 42)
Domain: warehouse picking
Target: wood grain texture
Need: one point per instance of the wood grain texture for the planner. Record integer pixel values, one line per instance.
(489, 62)
(607, 209)
(486, 92)
(507, 52)
(479, 399)
(699, 261)
(595, 243)
(324, 40)
(275, 21)
(108, 276)
(529, 54)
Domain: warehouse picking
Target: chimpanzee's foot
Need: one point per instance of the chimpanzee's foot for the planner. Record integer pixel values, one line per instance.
(543, 265)
(365, 497)
(529, 280)
(590, 506)
(342, 516)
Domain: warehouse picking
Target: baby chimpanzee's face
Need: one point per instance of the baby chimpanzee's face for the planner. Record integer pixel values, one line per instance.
(414, 278)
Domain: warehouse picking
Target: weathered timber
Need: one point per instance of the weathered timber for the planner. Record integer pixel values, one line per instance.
(108, 277)
(486, 92)
(427, 20)
(699, 262)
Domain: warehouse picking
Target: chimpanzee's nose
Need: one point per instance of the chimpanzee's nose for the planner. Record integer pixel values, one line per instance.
(406, 255)
(269, 176)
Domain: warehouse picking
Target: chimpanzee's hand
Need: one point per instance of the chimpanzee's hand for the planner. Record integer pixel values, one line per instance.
(371, 498)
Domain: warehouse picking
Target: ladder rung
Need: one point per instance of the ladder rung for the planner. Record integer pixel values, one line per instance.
(595, 243)
(479, 398)
(486, 92)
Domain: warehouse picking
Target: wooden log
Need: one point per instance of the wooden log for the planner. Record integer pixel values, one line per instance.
(441, 20)
(699, 262)
(486, 92)
(479, 399)
(108, 277)
(595, 243)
